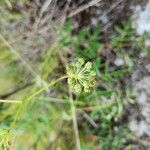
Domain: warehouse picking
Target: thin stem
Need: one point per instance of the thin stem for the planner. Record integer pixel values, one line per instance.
(21, 59)
(59, 100)
(74, 119)
(25, 103)
(102, 106)
(10, 101)
(82, 8)
(47, 86)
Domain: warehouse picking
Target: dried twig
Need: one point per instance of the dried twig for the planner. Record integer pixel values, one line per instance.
(66, 11)
(16, 90)
(47, 18)
(113, 6)
(82, 8)
(43, 9)
(24, 62)
(90, 120)
(105, 27)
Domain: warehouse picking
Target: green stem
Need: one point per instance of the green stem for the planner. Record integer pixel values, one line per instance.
(10, 101)
(25, 103)
(74, 119)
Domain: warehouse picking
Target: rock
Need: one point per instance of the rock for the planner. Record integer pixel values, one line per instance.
(140, 119)
(141, 18)
(119, 62)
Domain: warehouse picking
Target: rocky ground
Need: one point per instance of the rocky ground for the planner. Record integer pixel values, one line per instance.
(140, 118)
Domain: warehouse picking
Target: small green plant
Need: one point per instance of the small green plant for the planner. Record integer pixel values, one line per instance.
(77, 73)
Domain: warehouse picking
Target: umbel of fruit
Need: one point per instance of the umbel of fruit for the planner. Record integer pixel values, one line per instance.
(81, 76)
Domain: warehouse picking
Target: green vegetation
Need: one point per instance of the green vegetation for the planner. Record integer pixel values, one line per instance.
(42, 109)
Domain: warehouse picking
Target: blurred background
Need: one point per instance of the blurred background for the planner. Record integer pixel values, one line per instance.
(38, 38)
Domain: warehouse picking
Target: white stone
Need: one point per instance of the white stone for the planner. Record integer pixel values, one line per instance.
(119, 62)
(141, 18)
